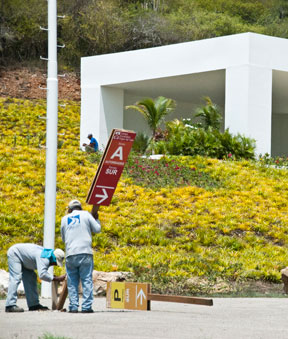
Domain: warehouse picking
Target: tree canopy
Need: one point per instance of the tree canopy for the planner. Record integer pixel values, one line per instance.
(92, 27)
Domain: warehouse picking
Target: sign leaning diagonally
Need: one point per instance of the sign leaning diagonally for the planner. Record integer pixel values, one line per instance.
(110, 168)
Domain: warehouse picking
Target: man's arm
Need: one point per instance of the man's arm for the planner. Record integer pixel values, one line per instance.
(93, 219)
(42, 268)
(59, 278)
(94, 211)
(62, 231)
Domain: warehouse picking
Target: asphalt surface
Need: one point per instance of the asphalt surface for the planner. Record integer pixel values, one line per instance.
(233, 318)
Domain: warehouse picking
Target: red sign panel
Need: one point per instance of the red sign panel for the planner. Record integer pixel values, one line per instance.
(111, 167)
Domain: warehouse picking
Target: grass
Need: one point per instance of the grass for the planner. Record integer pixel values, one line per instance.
(188, 225)
(51, 336)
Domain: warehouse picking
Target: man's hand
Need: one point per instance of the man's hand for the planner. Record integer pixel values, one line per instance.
(59, 278)
(94, 211)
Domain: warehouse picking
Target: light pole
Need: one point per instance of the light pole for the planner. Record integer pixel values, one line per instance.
(51, 138)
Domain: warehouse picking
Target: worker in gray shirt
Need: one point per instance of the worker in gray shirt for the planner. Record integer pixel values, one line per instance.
(23, 259)
(76, 231)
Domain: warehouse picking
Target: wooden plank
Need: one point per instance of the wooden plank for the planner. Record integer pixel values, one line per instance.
(54, 294)
(180, 299)
(148, 301)
(108, 294)
(62, 296)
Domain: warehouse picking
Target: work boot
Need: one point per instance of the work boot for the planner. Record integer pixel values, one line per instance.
(87, 311)
(38, 308)
(13, 308)
(284, 277)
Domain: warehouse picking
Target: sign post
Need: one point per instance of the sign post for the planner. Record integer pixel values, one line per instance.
(110, 167)
(102, 189)
(128, 296)
(137, 296)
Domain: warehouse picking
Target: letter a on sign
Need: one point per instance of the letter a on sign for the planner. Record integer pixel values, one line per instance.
(118, 153)
(110, 167)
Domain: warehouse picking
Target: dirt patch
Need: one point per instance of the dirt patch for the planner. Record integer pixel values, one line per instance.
(30, 84)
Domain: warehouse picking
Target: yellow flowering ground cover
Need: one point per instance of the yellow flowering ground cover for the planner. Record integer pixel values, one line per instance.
(235, 230)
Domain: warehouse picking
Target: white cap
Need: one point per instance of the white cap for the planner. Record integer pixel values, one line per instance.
(59, 254)
(74, 203)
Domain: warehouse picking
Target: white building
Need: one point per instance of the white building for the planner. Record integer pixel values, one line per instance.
(245, 74)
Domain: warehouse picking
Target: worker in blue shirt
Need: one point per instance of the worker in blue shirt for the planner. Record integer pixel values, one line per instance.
(93, 146)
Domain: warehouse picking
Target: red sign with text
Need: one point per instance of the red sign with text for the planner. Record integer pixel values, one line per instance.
(110, 167)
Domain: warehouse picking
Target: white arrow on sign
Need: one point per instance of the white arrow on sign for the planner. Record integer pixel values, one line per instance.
(141, 295)
(104, 196)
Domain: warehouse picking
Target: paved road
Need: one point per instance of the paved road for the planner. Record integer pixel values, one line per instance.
(229, 318)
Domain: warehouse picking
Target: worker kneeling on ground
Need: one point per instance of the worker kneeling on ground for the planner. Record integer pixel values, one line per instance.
(23, 259)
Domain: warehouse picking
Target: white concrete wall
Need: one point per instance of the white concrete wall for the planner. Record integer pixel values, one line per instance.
(90, 113)
(268, 51)
(151, 63)
(103, 107)
(248, 59)
(111, 112)
(248, 104)
(160, 62)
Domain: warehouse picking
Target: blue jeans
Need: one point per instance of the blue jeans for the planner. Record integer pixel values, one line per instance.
(18, 272)
(80, 267)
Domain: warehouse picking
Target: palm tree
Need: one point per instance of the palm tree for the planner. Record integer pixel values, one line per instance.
(154, 111)
(210, 115)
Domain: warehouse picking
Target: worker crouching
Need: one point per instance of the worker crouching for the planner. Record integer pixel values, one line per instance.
(23, 260)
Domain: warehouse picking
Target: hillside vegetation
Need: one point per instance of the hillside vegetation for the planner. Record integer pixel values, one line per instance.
(185, 224)
(108, 26)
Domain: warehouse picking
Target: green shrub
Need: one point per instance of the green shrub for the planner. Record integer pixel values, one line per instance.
(183, 139)
(140, 143)
(204, 137)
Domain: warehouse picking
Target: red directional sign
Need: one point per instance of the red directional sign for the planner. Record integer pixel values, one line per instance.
(110, 167)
